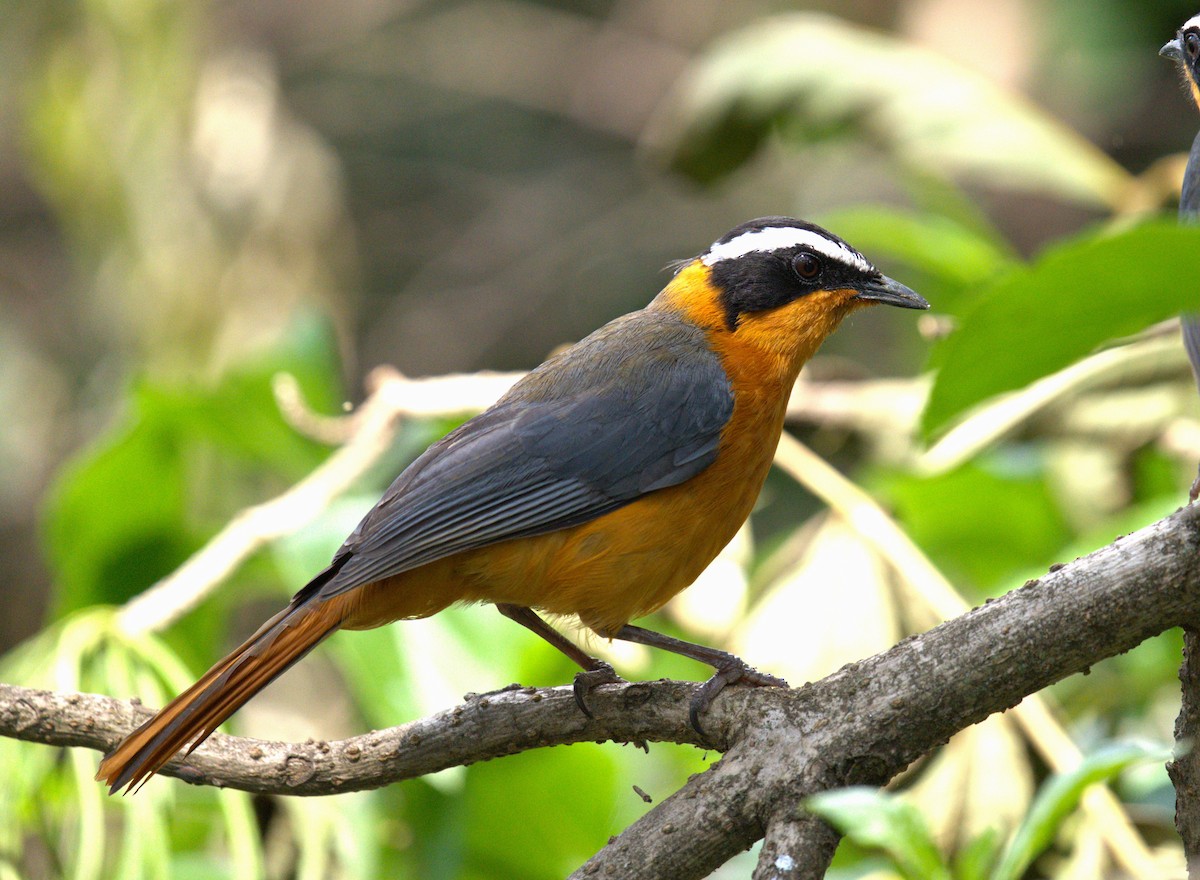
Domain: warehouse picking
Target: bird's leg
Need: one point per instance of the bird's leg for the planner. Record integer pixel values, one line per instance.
(595, 671)
(729, 669)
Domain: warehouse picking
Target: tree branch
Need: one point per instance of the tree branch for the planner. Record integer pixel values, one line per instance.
(1184, 770)
(484, 727)
(868, 721)
(928, 590)
(863, 724)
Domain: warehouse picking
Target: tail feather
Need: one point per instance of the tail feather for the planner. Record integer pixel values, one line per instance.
(192, 716)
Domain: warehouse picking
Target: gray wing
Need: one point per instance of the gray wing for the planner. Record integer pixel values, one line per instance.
(637, 406)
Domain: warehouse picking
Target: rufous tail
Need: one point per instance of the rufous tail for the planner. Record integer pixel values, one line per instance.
(192, 716)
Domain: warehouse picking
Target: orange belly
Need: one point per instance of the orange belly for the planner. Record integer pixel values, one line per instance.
(615, 568)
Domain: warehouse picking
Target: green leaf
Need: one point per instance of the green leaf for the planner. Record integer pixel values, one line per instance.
(975, 860)
(985, 522)
(931, 242)
(1038, 319)
(877, 820)
(1058, 797)
(813, 76)
(954, 258)
(113, 518)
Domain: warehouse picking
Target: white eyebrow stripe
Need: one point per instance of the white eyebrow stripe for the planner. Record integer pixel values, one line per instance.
(773, 238)
(1192, 22)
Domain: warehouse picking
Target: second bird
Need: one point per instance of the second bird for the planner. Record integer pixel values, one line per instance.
(1184, 50)
(599, 486)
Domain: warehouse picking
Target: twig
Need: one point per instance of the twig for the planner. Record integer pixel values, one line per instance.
(446, 395)
(330, 430)
(796, 847)
(482, 728)
(427, 397)
(882, 407)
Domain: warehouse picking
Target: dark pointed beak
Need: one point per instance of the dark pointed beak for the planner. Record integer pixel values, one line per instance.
(892, 293)
(1173, 50)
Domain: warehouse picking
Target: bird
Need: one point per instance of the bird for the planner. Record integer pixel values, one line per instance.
(1184, 50)
(599, 486)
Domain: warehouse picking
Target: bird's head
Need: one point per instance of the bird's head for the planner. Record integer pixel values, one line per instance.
(781, 284)
(1184, 50)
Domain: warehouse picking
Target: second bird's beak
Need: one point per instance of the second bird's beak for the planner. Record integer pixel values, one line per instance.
(1173, 50)
(892, 293)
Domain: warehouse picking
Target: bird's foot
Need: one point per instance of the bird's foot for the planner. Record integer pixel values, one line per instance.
(586, 681)
(1194, 492)
(732, 672)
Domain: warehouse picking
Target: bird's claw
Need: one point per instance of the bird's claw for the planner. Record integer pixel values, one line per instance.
(585, 682)
(731, 673)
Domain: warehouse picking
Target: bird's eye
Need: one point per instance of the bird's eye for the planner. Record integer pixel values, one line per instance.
(1191, 44)
(806, 265)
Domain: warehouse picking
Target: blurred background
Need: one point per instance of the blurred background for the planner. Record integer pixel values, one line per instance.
(195, 196)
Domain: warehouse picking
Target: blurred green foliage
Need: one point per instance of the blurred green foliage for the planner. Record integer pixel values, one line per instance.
(880, 821)
(154, 475)
(814, 78)
(1024, 527)
(222, 271)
